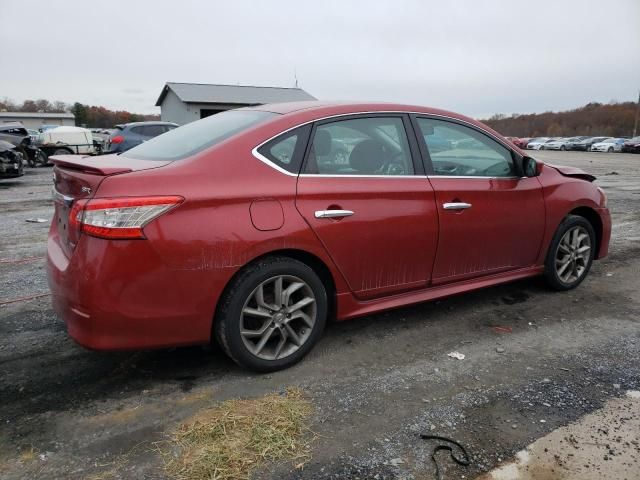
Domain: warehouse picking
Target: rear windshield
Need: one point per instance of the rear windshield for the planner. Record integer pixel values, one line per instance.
(195, 137)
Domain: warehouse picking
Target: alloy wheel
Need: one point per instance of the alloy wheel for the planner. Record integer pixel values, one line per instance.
(573, 254)
(278, 317)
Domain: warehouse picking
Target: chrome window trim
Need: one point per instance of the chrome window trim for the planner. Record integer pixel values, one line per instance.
(334, 175)
(511, 177)
(268, 162)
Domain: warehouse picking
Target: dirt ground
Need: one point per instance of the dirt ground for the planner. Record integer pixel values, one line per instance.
(376, 382)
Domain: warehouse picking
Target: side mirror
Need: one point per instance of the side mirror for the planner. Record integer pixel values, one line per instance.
(530, 167)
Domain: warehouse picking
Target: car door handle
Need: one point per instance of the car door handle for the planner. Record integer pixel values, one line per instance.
(456, 206)
(333, 213)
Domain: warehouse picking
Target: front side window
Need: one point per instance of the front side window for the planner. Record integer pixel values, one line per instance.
(196, 136)
(360, 146)
(457, 150)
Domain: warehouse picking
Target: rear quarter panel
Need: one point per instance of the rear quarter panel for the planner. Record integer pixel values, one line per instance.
(203, 242)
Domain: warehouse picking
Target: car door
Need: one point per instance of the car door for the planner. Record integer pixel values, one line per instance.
(491, 219)
(364, 193)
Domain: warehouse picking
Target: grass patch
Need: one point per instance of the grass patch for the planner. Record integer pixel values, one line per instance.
(229, 441)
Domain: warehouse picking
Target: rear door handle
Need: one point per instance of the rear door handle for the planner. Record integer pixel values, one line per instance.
(333, 213)
(456, 206)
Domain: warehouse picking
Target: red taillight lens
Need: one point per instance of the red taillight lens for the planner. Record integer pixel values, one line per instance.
(120, 217)
(117, 139)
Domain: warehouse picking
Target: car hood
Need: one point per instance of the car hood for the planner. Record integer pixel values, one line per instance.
(573, 172)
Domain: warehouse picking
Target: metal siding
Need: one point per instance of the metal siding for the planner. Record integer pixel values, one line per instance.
(236, 94)
(176, 111)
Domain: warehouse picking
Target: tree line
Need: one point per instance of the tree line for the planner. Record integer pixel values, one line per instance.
(612, 119)
(86, 115)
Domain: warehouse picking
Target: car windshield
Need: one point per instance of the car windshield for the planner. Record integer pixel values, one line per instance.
(634, 139)
(196, 136)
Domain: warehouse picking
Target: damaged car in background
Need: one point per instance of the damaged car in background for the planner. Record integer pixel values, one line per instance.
(11, 160)
(250, 229)
(16, 134)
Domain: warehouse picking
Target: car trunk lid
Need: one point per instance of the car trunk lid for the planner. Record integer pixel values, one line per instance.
(76, 178)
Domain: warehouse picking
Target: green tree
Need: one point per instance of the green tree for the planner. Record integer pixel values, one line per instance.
(80, 112)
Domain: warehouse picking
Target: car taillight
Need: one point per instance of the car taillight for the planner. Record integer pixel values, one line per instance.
(122, 218)
(117, 139)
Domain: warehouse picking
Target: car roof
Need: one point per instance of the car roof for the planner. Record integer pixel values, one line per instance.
(347, 107)
(11, 126)
(315, 110)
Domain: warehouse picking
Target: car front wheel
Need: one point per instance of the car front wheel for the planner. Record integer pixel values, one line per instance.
(272, 314)
(571, 253)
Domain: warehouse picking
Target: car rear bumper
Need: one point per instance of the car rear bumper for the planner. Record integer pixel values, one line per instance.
(605, 219)
(121, 296)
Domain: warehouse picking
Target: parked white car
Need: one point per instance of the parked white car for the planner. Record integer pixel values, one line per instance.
(539, 143)
(560, 143)
(609, 145)
(66, 140)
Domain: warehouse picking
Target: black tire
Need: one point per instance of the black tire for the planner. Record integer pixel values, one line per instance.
(41, 159)
(551, 275)
(610, 149)
(62, 151)
(227, 326)
(562, 147)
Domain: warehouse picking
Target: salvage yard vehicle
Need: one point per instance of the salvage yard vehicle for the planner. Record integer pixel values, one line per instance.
(129, 135)
(11, 161)
(16, 134)
(632, 145)
(535, 143)
(585, 145)
(561, 143)
(608, 145)
(67, 140)
(247, 227)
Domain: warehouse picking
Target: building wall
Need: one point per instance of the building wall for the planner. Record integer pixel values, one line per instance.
(175, 110)
(36, 122)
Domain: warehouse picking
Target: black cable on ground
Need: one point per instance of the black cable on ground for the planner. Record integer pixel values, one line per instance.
(465, 461)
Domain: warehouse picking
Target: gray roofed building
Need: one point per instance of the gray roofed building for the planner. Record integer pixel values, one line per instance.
(36, 120)
(185, 102)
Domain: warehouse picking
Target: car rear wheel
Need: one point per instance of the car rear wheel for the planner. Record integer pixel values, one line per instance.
(571, 253)
(562, 147)
(610, 149)
(272, 314)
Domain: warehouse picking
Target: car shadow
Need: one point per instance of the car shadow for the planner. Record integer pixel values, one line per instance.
(60, 375)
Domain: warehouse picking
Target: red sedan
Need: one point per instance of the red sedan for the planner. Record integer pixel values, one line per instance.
(254, 226)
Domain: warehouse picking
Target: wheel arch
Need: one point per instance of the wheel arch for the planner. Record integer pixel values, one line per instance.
(309, 259)
(593, 218)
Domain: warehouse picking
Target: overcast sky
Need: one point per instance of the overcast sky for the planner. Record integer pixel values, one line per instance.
(474, 57)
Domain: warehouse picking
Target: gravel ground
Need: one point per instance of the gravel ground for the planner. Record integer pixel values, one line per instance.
(376, 382)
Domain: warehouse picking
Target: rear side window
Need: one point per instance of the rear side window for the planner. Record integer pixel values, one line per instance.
(196, 136)
(286, 151)
(153, 130)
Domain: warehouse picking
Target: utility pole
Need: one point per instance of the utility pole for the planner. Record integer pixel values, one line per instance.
(635, 125)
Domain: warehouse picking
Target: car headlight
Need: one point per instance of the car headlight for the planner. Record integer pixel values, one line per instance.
(603, 198)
